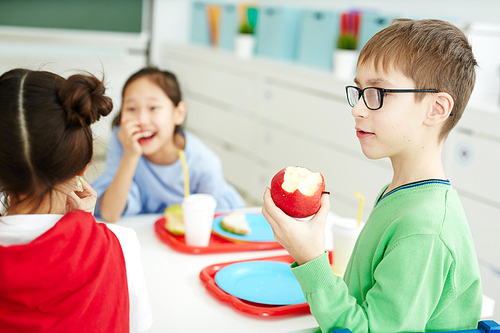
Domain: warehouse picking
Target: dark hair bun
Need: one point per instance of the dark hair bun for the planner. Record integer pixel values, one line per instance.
(83, 98)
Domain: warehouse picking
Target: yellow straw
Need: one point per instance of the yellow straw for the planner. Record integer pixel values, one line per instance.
(360, 209)
(186, 174)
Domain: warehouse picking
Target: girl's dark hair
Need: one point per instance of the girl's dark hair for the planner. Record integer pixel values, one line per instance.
(166, 80)
(45, 134)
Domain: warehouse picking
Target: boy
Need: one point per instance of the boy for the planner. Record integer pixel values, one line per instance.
(414, 267)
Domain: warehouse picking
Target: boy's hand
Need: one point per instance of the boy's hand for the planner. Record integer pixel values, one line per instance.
(84, 200)
(129, 135)
(304, 240)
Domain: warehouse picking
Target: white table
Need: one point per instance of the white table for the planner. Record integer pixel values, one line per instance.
(179, 300)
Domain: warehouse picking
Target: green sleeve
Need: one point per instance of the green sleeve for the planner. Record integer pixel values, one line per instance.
(407, 285)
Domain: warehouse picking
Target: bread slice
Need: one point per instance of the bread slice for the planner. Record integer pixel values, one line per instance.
(174, 221)
(235, 223)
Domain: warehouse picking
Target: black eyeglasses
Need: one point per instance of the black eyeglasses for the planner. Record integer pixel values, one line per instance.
(374, 97)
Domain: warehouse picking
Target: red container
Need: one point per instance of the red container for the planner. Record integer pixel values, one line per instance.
(207, 276)
(217, 244)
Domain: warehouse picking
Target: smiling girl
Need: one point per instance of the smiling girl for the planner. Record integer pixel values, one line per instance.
(143, 172)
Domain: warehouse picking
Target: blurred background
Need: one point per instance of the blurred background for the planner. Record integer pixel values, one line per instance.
(264, 84)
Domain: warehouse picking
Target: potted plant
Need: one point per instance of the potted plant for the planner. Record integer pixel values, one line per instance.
(244, 42)
(346, 55)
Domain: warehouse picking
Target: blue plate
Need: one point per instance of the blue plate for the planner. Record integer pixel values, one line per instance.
(261, 230)
(264, 282)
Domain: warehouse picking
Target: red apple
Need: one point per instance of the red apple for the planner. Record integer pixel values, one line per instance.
(297, 191)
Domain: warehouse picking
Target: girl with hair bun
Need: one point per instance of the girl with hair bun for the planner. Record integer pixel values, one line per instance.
(60, 269)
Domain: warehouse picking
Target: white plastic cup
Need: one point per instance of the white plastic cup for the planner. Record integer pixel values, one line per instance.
(345, 234)
(198, 214)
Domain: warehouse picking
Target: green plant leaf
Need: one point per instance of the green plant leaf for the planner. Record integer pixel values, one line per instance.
(346, 42)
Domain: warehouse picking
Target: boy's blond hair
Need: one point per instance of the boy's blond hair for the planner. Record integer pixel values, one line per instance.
(433, 53)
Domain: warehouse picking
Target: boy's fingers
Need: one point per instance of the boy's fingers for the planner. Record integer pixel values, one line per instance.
(267, 197)
(265, 206)
(270, 205)
(323, 211)
(271, 212)
(325, 202)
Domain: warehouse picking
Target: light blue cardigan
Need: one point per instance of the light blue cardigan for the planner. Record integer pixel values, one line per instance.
(155, 187)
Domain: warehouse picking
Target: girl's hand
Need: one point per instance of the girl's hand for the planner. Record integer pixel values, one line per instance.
(129, 135)
(304, 240)
(84, 200)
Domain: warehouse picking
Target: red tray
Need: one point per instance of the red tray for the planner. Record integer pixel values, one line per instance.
(217, 244)
(207, 276)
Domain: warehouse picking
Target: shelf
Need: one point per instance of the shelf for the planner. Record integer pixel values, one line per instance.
(483, 122)
(288, 73)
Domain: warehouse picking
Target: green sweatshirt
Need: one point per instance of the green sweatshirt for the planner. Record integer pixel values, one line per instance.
(413, 268)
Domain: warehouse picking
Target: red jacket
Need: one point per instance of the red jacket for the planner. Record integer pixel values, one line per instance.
(70, 279)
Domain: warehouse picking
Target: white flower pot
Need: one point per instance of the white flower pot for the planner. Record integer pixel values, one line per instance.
(244, 46)
(344, 63)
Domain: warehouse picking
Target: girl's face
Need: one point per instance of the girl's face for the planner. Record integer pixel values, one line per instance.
(393, 130)
(147, 105)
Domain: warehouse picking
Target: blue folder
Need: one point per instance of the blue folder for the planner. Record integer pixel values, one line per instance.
(199, 24)
(317, 38)
(277, 32)
(371, 24)
(229, 27)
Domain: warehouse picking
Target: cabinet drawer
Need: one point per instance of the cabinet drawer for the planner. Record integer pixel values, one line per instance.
(223, 86)
(474, 166)
(490, 281)
(324, 118)
(238, 170)
(261, 179)
(484, 223)
(232, 127)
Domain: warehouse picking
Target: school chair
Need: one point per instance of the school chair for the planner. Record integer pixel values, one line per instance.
(484, 326)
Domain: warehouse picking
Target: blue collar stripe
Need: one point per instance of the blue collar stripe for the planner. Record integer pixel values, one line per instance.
(420, 183)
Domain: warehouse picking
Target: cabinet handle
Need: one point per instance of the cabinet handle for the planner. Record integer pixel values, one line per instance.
(270, 11)
(318, 16)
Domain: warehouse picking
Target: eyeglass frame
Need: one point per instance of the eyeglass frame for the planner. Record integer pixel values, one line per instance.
(382, 92)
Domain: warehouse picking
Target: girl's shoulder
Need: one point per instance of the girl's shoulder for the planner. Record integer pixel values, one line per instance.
(196, 146)
(192, 141)
(199, 151)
